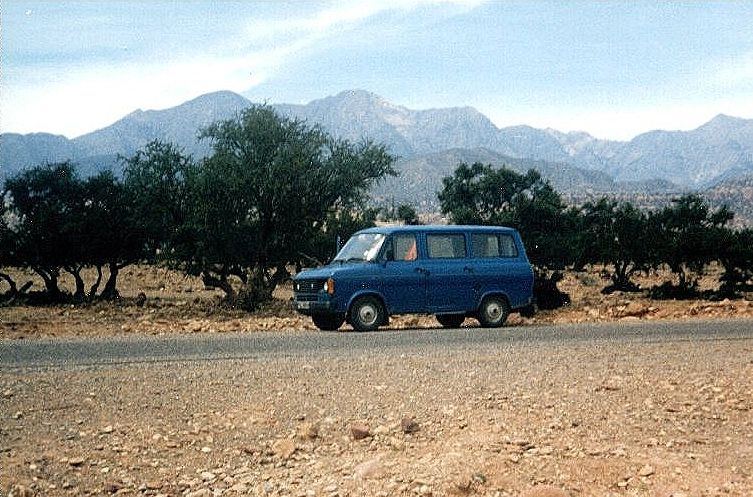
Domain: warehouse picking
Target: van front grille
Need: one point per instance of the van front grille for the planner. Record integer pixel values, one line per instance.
(308, 286)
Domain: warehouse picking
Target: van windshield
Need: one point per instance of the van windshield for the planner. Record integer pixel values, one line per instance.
(363, 247)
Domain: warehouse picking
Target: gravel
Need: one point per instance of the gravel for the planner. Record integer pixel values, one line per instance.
(595, 411)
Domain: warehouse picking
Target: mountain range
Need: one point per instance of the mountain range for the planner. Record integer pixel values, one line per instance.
(430, 144)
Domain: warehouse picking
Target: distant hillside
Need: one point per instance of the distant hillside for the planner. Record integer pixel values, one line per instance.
(429, 143)
(737, 194)
(695, 158)
(421, 177)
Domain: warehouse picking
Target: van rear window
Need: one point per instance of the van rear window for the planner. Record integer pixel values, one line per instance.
(487, 245)
(448, 246)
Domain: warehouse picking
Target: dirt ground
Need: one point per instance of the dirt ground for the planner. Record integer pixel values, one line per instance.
(176, 303)
(664, 420)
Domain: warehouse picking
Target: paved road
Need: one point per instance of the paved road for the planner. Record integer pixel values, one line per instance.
(104, 352)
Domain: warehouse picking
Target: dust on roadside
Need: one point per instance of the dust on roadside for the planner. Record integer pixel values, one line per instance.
(176, 303)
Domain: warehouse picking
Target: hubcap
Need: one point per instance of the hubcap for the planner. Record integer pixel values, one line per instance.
(494, 310)
(367, 314)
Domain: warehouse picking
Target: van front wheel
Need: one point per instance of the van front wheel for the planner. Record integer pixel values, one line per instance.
(367, 314)
(328, 322)
(493, 312)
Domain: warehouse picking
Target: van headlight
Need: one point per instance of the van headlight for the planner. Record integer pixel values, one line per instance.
(329, 286)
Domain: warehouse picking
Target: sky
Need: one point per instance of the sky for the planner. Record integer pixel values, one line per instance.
(611, 68)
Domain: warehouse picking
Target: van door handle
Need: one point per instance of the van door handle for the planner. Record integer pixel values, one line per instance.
(422, 271)
(468, 269)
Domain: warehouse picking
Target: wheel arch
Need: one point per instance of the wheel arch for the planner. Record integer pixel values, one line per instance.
(493, 293)
(367, 293)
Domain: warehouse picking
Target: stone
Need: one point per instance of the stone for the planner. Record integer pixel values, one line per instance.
(308, 431)
(646, 470)
(20, 491)
(409, 425)
(544, 491)
(108, 429)
(76, 461)
(284, 449)
(370, 469)
(359, 431)
(208, 476)
(204, 492)
(239, 488)
(112, 487)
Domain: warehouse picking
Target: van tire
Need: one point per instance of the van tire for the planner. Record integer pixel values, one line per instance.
(328, 322)
(450, 320)
(493, 311)
(367, 314)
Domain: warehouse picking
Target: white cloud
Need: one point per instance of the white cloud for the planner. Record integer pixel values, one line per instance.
(77, 100)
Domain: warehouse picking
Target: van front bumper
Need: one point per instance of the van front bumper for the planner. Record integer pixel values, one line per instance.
(309, 307)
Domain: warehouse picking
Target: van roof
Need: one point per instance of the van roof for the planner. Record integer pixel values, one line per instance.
(388, 230)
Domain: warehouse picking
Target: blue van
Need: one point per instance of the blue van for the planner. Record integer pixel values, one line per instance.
(453, 272)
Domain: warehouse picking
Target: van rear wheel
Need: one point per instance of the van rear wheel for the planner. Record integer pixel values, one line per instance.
(493, 311)
(328, 322)
(450, 320)
(367, 314)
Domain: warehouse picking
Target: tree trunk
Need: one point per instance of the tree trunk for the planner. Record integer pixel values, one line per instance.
(12, 284)
(258, 289)
(110, 292)
(222, 283)
(80, 293)
(95, 286)
(50, 278)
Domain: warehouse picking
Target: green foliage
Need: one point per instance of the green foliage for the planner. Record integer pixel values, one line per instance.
(64, 223)
(616, 235)
(48, 202)
(686, 236)
(407, 214)
(260, 202)
(481, 194)
(112, 228)
(403, 213)
(736, 257)
(338, 227)
(156, 182)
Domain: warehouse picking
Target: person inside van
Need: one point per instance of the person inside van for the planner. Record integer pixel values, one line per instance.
(405, 247)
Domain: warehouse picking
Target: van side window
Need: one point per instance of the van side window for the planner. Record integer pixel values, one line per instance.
(493, 245)
(447, 246)
(404, 247)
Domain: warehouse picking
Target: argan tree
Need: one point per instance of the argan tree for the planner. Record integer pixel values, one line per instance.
(736, 257)
(114, 237)
(617, 236)
(686, 236)
(47, 202)
(482, 194)
(258, 203)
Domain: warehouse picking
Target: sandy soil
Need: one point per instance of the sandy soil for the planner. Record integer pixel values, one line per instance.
(665, 420)
(177, 303)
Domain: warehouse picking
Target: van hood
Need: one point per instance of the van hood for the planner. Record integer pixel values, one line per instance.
(334, 269)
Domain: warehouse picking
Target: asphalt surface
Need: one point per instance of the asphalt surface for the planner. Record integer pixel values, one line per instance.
(104, 352)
